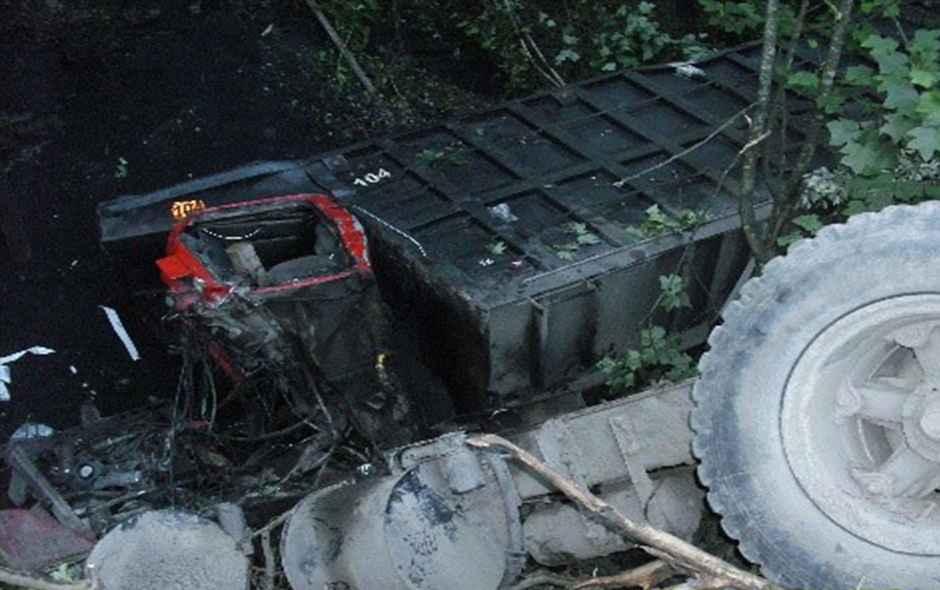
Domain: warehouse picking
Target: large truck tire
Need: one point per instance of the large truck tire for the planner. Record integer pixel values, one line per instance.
(817, 414)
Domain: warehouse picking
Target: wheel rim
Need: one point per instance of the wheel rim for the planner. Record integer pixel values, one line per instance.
(860, 422)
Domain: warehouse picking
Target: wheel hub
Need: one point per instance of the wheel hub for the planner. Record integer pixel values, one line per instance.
(921, 423)
(861, 422)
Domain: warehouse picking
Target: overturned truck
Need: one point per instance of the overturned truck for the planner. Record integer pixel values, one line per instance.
(470, 277)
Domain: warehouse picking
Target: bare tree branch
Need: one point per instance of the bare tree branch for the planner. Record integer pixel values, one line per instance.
(752, 233)
(347, 54)
(269, 565)
(542, 578)
(715, 132)
(647, 576)
(827, 80)
(654, 541)
(779, 113)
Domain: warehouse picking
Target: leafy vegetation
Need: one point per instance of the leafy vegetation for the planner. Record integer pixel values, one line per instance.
(533, 42)
(889, 155)
(736, 18)
(659, 223)
(888, 134)
(122, 169)
(907, 109)
(581, 236)
(674, 294)
(660, 356)
(496, 247)
(431, 156)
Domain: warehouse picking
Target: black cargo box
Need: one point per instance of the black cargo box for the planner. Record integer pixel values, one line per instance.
(503, 234)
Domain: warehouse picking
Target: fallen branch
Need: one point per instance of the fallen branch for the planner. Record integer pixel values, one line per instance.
(647, 576)
(346, 53)
(268, 578)
(23, 580)
(678, 553)
(272, 524)
(542, 578)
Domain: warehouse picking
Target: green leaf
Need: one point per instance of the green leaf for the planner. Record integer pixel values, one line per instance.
(862, 32)
(831, 103)
(803, 81)
(634, 360)
(497, 248)
(655, 214)
(924, 78)
(587, 239)
(893, 66)
(429, 155)
(868, 157)
(787, 240)
(926, 44)
(908, 191)
(896, 126)
(929, 106)
(566, 55)
(674, 291)
(901, 95)
(576, 227)
(859, 76)
(925, 140)
(841, 132)
(810, 223)
(854, 207)
(878, 45)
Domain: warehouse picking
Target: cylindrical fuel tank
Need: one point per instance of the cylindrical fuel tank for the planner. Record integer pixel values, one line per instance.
(446, 524)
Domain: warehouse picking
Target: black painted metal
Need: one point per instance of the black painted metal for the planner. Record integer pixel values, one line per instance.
(500, 315)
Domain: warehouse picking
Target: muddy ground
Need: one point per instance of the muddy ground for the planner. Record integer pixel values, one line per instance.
(103, 98)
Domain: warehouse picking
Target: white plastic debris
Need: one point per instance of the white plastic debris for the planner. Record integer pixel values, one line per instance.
(6, 377)
(687, 70)
(29, 430)
(118, 326)
(503, 213)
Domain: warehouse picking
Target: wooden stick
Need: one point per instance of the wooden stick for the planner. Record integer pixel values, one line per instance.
(670, 548)
(347, 54)
(541, 578)
(647, 576)
(268, 579)
(23, 580)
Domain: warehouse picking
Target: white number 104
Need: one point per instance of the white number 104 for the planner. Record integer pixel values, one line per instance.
(372, 177)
